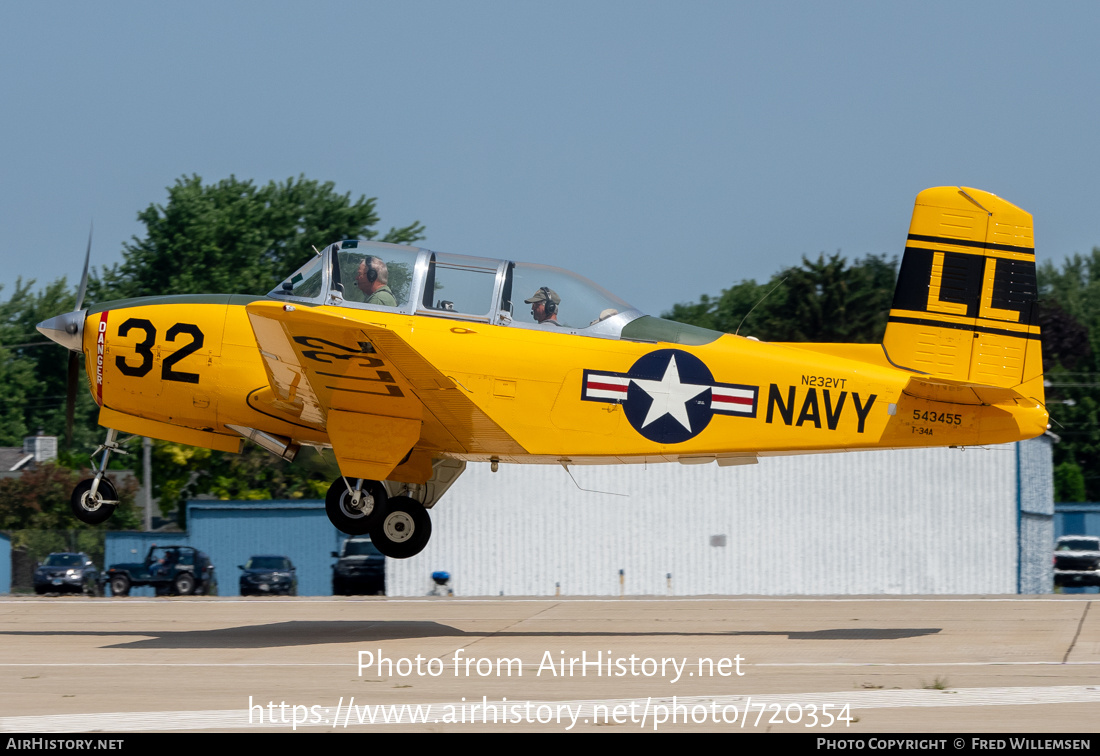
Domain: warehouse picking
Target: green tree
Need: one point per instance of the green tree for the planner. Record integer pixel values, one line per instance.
(234, 237)
(33, 370)
(820, 301)
(39, 500)
(1069, 316)
(1069, 482)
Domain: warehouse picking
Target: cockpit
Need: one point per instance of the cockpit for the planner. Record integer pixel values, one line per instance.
(415, 281)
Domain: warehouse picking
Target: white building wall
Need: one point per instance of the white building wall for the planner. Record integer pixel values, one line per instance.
(933, 521)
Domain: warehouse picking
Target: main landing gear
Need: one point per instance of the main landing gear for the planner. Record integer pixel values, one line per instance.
(399, 526)
(94, 500)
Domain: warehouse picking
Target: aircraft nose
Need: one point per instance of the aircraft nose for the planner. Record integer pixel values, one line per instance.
(67, 330)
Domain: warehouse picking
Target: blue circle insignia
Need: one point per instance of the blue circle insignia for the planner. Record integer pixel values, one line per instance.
(669, 396)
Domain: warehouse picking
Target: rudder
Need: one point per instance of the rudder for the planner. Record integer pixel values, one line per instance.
(965, 306)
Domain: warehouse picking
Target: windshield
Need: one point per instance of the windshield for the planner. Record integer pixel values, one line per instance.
(64, 560)
(1079, 544)
(268, 563)
(305, 282)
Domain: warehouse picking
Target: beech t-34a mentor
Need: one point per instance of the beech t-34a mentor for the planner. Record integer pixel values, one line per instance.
(409, 363)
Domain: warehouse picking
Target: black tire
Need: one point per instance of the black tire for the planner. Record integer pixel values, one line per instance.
(93, 510)
(344, 517)
(403, 530)
(184, 584)
(120, 585)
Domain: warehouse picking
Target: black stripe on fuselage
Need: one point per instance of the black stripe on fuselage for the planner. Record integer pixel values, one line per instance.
(970, 243)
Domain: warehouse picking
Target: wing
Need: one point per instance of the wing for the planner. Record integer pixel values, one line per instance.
(382, 403)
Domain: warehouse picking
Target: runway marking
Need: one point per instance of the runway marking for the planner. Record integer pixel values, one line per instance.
(309, 600)
(85, 665)
(858, 700)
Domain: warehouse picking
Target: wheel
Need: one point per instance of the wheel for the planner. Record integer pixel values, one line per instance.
(404, 528)
(184, 584)
(93, 510)
(120, 585)
(347, 518)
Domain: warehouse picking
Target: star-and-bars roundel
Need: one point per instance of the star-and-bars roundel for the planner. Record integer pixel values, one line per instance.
(669, 395)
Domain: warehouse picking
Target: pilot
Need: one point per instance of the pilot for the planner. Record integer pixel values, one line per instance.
(372, 277)
(544, 305)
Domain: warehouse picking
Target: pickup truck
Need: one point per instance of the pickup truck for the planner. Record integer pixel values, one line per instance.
(1077, 561)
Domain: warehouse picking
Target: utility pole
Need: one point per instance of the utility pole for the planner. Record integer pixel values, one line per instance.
(147, 480)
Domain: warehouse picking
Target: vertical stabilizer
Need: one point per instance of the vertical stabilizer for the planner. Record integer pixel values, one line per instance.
(965, 304)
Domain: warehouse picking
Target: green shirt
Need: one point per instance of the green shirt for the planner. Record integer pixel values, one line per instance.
(384, 297)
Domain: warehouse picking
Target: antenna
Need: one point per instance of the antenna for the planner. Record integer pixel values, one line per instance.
(588, 490)
(757, 305)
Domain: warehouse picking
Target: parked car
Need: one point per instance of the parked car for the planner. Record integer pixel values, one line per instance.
(1077, 561)
(268, 574)
(67, 572)
(360, 568)
(171, 570)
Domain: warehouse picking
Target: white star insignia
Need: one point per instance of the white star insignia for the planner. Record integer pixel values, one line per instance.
(670, 396)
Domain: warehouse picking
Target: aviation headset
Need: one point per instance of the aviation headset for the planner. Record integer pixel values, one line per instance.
(372, 274)
(551, 308)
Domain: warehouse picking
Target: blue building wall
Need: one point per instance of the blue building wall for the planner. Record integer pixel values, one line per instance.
(1077, 518)
(5, 563)
(232, 531)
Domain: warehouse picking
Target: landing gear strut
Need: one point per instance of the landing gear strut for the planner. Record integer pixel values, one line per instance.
(94, 500)
(355, 506)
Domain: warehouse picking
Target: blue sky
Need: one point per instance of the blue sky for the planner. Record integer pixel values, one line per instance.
(663, 149)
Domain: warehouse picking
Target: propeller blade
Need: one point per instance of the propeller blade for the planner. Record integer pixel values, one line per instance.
(84, 276)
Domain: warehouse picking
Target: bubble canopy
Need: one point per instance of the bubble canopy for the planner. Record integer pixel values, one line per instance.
(416, 281)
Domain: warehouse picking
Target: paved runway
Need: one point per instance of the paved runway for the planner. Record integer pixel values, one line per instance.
(856, 665)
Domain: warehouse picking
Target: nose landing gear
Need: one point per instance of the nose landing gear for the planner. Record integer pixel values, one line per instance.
(94, 500)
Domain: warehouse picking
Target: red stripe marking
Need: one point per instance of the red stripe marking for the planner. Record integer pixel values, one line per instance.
(730, 399)
(606, 386)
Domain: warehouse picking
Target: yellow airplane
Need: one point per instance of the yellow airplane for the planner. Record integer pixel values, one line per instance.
(409, 363)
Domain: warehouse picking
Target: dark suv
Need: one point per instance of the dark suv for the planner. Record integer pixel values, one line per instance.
(67, 572)
(1077, 561)
(268, 574)
(360, 568)
(171, 570)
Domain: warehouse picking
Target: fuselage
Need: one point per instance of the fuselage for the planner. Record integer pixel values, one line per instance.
(193, 363)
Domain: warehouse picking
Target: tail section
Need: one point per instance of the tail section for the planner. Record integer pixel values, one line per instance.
(964, 308)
